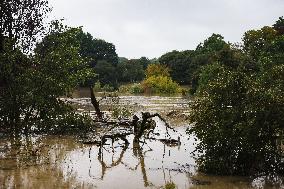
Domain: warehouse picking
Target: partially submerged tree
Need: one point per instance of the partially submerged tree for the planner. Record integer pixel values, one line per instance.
(238, 113)
(20, 25)
(32, 84)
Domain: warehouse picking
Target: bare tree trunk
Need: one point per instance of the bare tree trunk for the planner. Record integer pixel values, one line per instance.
(96, 104)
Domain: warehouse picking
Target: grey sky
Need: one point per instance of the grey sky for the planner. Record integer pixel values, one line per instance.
(153, 27)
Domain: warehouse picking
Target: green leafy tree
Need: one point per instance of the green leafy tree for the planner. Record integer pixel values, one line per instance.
(206, 53)
(179, 63)
(96, 49)
(20, 25)
(257, 42)
(22, 22)
(239, 111)
(99, 54)
(279, 26)
(33, 84)
(107, 73)
(130, 71)
(144, 61)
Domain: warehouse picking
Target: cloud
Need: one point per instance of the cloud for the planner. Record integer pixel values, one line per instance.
(152, 27)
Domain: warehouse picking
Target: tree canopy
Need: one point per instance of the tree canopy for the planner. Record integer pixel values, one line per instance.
(180, 64)
(238, 113)
(32, 84)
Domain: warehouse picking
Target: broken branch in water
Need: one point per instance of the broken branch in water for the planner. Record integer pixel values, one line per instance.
(140, 126)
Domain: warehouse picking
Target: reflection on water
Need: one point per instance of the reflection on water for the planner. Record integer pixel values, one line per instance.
(63, 162)
(33, 162)
(148, 163)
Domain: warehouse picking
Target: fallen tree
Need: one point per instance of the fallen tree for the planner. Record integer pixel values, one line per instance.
(113, 130)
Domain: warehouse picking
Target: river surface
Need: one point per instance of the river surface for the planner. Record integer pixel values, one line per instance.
(64, 162)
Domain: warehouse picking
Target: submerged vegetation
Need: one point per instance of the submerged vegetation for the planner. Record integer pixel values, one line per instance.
(238, 109)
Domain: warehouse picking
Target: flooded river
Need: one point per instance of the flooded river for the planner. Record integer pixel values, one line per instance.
(64, 162)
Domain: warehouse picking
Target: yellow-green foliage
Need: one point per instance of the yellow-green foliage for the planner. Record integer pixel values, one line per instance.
(160, 84)
(158, 80)
(157, 70)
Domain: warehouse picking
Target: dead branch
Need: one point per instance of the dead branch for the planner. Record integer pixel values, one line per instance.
(96, 104)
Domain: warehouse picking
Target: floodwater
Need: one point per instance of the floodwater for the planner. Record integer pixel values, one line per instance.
(65, 162)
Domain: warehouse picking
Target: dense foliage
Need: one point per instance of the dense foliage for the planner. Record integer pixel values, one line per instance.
(32, 84)
(185, 66)
(102, 58)
(239, 109)
(132, 70)
(180, 64)
(158, 80)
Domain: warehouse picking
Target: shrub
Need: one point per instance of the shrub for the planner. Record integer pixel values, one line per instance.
(160, 84)
(108, 88)
(97, 86)
(136, 88)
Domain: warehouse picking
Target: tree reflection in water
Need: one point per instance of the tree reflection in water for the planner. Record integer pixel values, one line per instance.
(137, 152)
(34, 162)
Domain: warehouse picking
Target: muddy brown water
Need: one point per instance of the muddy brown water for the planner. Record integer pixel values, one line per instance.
(64, 162)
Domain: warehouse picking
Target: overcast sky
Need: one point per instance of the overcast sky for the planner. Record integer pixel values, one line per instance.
(153, 27)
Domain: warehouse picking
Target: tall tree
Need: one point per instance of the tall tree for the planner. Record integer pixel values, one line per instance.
(131, 70)
(21, 22)
(279, 26)
(179, 63)
(100, 54)
(257, 42)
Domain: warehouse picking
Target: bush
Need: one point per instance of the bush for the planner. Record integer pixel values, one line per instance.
(108, 88)
(97, 86)
(134, 88)
(160, 84)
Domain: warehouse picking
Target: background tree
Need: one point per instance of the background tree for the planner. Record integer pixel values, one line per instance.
(179, 63)
(157, 70)
(106, 73)
(145, 62)
(100, 54)
(132, 70)
(279, 26)
(205, 53)
(257, 42)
